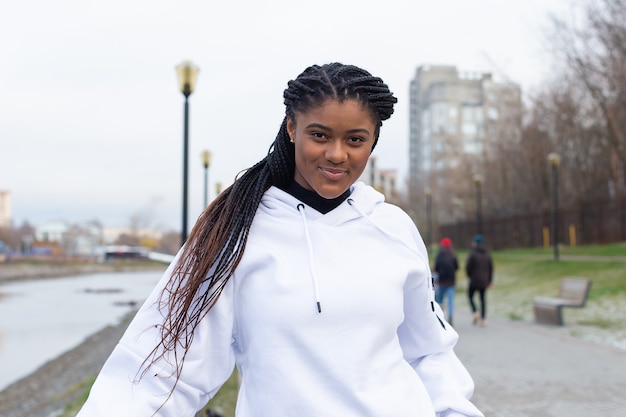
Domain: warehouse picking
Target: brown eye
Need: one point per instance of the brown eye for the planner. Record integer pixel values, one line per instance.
(355, 140)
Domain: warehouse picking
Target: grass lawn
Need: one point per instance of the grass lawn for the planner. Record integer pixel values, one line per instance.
(522, 274)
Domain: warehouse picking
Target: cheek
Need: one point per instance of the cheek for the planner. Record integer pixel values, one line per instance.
(361, 158)
(305, 154)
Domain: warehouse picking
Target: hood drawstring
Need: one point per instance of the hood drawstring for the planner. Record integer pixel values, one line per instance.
(311, 258)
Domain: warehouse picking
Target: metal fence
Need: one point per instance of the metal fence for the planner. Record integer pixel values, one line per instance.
(588, 223)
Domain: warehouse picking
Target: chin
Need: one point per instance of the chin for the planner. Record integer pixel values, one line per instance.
(331, 192)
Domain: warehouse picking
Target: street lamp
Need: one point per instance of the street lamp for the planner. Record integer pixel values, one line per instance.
(478, 181)
(206, 161)
(187, 73)
(554, 159)
(429, 217)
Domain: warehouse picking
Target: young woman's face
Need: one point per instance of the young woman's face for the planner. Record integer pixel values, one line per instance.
(333, 143)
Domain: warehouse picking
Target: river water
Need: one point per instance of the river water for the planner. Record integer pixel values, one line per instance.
(42, 319)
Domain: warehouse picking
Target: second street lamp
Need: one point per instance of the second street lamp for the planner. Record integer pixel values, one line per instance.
(206, 161)
(429, 218)
(554, 159)
(187, 74)
(478, 181)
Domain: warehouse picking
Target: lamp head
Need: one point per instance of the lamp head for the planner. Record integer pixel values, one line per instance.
(206, 158)
(187, 74)
(554, 159)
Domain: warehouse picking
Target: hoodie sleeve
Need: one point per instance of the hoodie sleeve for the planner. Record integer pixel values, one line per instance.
(428, 345)
(122, 390)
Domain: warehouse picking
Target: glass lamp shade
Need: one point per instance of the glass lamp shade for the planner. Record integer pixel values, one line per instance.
(187, 74)
(554, 159)
(206, 158)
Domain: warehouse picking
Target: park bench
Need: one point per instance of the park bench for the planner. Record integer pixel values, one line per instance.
(573, 292)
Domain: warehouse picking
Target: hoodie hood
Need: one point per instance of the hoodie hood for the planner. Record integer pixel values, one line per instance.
(277, 202)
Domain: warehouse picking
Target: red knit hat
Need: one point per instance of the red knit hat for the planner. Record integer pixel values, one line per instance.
(446, 242)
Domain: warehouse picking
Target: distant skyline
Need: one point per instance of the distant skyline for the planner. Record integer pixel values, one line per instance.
(92, 119)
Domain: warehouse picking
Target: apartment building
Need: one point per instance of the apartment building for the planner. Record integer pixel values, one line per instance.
(457, 115)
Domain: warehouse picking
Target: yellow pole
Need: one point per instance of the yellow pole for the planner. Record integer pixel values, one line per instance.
(572, 235)
(546, 238)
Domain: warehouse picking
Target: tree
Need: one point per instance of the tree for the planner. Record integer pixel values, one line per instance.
(594, 48)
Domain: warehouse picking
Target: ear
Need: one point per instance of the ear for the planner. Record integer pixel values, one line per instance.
(291, 128)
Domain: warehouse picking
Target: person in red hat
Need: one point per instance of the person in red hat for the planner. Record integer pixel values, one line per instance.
(446, 265)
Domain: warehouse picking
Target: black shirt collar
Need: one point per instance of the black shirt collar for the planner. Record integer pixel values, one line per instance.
(313, 199)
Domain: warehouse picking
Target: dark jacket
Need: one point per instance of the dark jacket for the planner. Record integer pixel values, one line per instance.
(446, 266)
(479, 267)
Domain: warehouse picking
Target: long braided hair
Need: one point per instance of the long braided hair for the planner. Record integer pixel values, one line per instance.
(218, 239)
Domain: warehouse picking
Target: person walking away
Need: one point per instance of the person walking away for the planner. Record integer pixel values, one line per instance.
(446, 265)
(479, 269)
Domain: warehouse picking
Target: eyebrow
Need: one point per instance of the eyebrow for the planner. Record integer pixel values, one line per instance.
(326, 128)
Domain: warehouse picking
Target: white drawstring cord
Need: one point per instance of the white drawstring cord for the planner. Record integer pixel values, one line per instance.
(311, 258)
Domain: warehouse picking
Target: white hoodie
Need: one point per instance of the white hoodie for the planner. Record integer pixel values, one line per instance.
(377, 348)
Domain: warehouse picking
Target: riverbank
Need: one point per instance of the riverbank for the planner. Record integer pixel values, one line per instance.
(63, 380)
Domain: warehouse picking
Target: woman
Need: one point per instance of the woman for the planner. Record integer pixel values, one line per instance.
(317, 290)
(446, 265)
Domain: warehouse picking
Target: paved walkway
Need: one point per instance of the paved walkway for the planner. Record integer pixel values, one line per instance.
(523, 369)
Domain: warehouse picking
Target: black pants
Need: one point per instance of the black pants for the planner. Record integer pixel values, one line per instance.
(483, 305)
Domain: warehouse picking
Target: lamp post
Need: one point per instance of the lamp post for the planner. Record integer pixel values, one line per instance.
(478, 181)
(187, 74)
(554, 159)
(429, 217)
(206, 161)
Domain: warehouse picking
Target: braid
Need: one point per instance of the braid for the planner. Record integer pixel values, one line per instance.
(218, 239)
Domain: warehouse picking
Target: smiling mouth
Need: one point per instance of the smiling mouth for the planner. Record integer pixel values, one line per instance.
(334, 174)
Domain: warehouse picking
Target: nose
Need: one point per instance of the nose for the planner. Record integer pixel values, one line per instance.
(336, 152)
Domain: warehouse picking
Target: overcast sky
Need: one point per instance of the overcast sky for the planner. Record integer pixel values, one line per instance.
(91, 118)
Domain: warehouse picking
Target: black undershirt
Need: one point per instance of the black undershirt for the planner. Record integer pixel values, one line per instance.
(313, 199)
